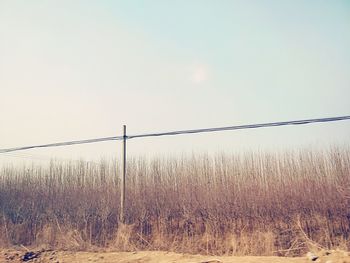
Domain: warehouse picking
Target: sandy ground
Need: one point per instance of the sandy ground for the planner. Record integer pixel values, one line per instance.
(152, 257)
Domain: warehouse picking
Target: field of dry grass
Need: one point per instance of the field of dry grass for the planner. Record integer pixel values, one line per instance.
(249, 204)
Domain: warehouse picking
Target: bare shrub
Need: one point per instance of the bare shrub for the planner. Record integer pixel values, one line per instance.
(248, 204)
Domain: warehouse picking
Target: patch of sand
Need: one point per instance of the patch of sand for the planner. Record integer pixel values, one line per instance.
(52, 256)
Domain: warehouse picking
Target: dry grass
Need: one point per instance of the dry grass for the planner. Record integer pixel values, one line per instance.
(252, 204)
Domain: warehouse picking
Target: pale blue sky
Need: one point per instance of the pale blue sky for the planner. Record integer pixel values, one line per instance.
(81, 69)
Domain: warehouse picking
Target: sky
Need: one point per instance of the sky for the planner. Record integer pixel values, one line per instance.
(73, 70)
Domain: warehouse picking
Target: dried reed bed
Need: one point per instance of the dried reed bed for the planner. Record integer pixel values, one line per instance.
(247, 204)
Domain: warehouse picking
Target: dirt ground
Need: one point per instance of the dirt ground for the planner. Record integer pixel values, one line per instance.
(52, 256)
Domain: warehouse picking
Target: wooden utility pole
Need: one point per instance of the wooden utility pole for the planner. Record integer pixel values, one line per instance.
(122, 190)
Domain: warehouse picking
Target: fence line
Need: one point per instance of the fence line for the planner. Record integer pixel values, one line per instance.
(206, 130)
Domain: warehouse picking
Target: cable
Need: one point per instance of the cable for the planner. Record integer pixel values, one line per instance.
(61, 144)
(228, 128)
(241, 127)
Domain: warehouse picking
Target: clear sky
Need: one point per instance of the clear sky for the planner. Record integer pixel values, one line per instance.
(81, 69)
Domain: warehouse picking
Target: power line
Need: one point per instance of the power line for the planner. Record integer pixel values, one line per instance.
(242, 127)
(228, 128)
(61, 144)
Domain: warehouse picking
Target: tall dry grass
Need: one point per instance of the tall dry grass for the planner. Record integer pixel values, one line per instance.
(256, 203)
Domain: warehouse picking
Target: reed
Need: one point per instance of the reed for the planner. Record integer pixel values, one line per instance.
(247, 204)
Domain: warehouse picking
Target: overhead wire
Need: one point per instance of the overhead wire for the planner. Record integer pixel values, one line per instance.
(241, 127)
(58, 144)
(179, 132)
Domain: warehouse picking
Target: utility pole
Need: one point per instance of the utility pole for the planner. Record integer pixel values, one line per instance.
(122, 190)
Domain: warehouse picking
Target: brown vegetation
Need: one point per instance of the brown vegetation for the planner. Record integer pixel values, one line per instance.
(252, 204)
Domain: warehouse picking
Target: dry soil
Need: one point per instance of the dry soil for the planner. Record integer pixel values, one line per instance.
(19, 255)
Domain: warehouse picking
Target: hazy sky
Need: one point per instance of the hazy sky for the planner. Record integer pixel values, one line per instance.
(81, 69)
